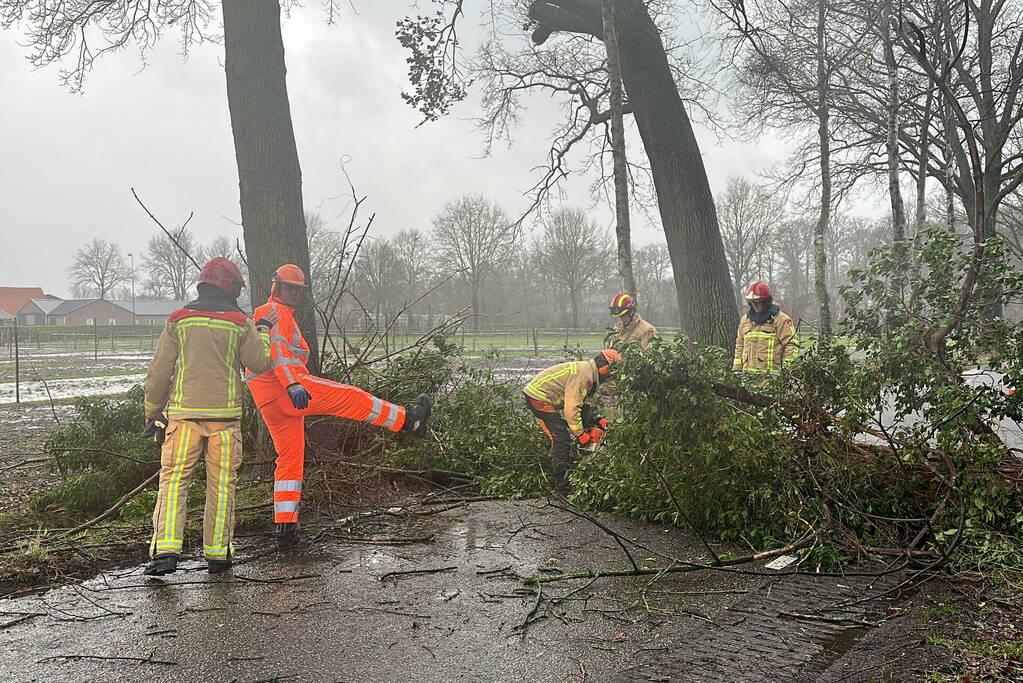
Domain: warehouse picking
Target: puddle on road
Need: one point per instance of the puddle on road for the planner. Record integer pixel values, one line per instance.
(330, 612)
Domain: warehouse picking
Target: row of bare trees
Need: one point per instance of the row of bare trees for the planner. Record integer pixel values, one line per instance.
(922, 95)
(165, 271)
(560, 275)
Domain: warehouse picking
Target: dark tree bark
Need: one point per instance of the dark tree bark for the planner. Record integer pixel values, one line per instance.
(684, 199)
(623, 225)
(892, 147)
(270, 179)
(820, 258)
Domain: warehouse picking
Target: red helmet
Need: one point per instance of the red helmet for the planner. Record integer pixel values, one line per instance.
(621, 304)
(604, 359)
(223, 274)
(758, 291)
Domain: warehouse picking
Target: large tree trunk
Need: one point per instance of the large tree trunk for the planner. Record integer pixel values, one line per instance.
(623, 229)
(270, 180)
(702, 281)
(894, 189)
(921, 174)
(820, 257)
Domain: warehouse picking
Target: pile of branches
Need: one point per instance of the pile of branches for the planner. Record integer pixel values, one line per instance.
(873, 444)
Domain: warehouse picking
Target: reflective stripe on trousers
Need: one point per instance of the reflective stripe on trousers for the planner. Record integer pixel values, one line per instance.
(186, 442)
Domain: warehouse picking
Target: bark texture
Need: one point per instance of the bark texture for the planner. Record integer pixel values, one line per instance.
(623, 224)
(269, 176)
(684, 198)
(894, 189)
(820, 255)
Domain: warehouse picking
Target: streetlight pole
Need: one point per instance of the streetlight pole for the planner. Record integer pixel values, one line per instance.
(131, 255)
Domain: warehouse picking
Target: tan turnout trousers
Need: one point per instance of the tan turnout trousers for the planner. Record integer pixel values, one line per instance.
(186, 442)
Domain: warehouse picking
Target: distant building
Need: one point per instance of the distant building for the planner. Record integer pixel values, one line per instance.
(13, 298)
(73, 312)
(36, 311)
(151, 311)
(54, 311)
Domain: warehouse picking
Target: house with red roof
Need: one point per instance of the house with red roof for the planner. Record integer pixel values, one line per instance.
(12, 299)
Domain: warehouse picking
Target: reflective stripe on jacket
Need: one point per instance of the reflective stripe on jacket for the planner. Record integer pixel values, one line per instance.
(765, 347)
(196, 368)
(289, 354)
(566, 386)
(638, 331)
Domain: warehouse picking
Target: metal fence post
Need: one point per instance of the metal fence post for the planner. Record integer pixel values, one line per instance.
(17, 364)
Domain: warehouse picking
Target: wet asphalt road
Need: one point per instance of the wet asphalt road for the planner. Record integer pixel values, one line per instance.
(329, 612)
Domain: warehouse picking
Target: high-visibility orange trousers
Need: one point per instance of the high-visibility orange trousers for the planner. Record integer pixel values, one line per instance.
(286, 424)
(187, 441)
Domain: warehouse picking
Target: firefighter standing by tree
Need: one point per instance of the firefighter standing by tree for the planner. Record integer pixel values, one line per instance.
(287, 393)
(565, 387)
(766, 339)
(193, 389)
(629, 328)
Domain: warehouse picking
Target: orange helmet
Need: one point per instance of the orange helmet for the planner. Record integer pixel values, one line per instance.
(621, 304)
(290, 274)
(604, 360)
(758, 291)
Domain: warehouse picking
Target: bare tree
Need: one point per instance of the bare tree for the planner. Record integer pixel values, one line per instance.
(270, 180)
(412, 251)
(654, 286)
(622, 220)
(471, 236)
(683, 193)
(749, 215)
(169, 263)
(326, 251)
(378, 273)
(222, 246)
(98, 268)
(572, 254)
(153, 288)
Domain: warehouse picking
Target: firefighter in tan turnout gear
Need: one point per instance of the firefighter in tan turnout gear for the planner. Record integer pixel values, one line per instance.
(629, 328)
(195, 388)
(766, 340)
(557, 398)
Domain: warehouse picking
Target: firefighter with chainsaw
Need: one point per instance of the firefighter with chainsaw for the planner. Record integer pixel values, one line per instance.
(557, 398)
(629, 327)
(193, 402)
(286, 393)
(766, 340)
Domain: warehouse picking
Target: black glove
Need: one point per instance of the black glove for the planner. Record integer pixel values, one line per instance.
(264, 325)
(299, 396)
(156, 429)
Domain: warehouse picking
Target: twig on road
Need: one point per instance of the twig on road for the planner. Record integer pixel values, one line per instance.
(387, 575)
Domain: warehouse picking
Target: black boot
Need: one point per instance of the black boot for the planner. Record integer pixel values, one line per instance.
(215, 566)
(161, 564)
(287, 535)
(418, 415)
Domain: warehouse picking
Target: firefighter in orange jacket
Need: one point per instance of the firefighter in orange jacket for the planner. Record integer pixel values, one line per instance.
(286, 393)
(629, 328)
(565, 388)
(193, 388)
(766, 339)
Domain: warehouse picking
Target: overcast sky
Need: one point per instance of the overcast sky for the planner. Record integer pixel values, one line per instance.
(70, 160)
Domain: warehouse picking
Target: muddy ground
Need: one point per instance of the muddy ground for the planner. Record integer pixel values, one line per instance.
(23, 431)
(434, 592)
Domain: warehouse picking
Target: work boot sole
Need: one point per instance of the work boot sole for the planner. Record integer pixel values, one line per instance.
(421, 415)
(155, 568)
